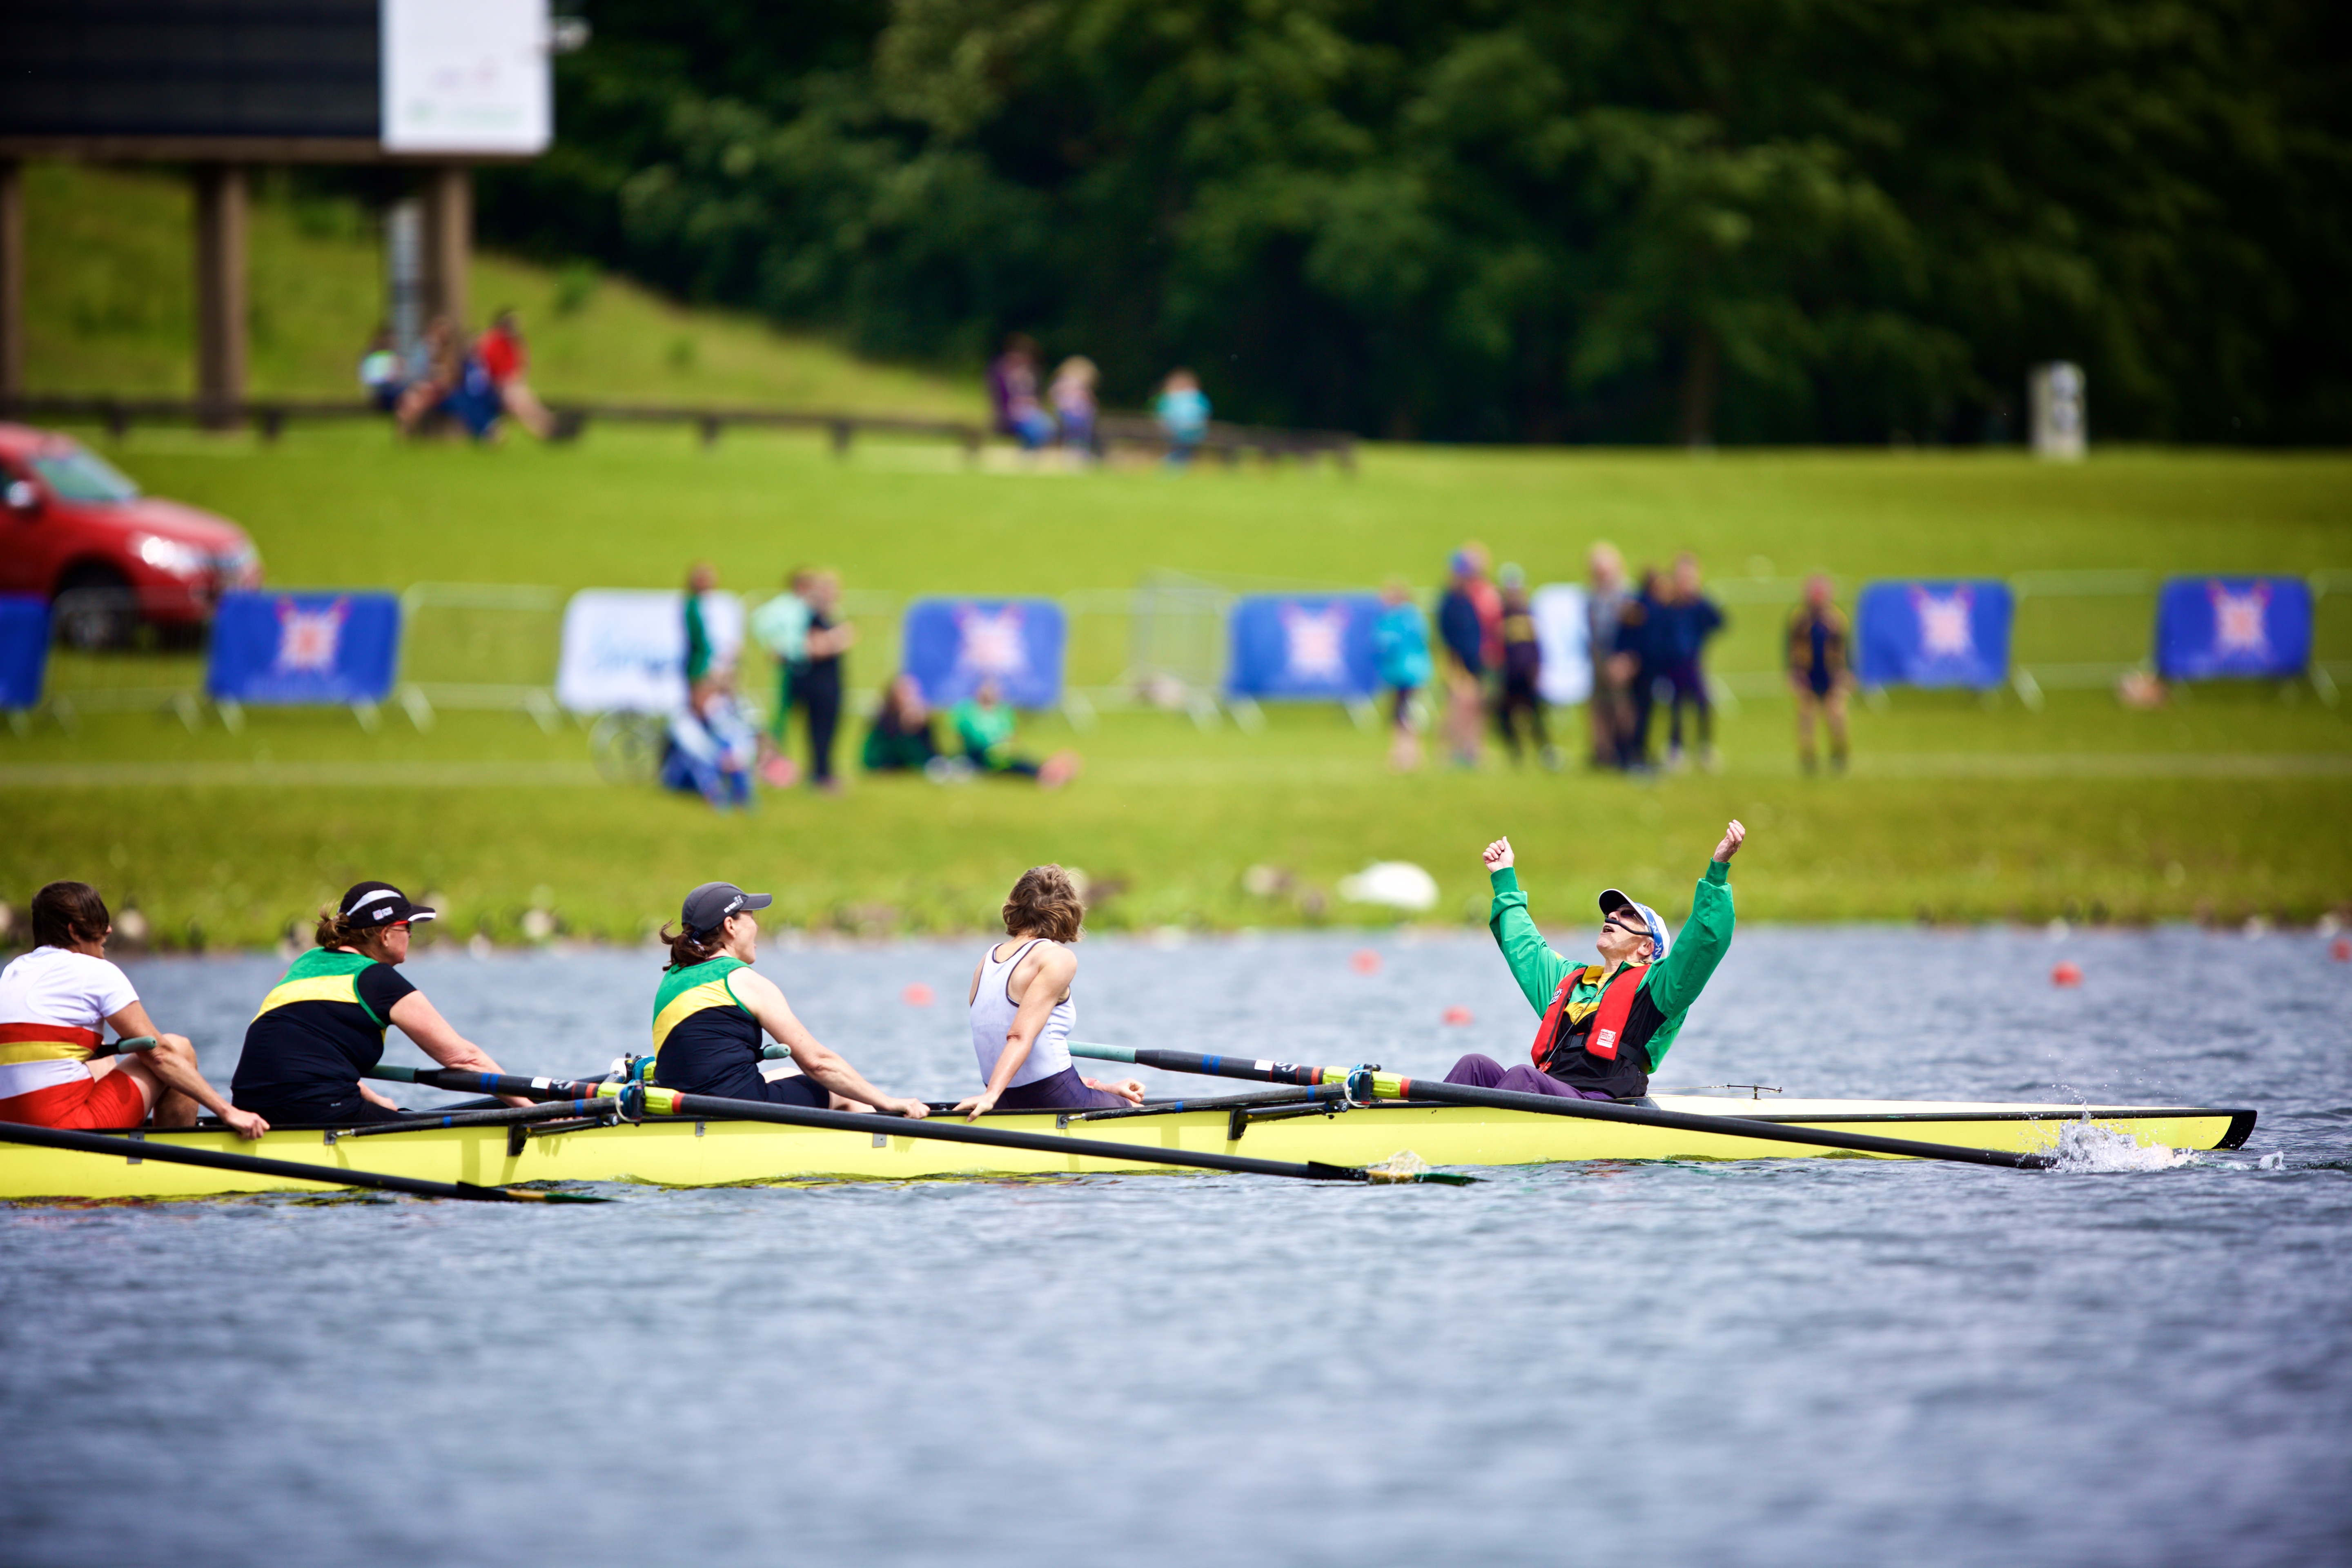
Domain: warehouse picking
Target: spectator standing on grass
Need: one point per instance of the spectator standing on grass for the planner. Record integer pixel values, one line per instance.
(1013, 394)
(782, 626)
(504, 359)
(900, 739)
(1073, 396)
(1488, 601)
(1818, 676)
(1400, 648)
(1522, 668)
(700, 652)
(1611, 702)
(817, 682)
(1183, 410)
(1637, 661)
(1464, 638)
(1688, 618)
(382, 372)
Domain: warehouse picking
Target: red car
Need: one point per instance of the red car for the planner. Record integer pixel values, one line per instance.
(76, 531)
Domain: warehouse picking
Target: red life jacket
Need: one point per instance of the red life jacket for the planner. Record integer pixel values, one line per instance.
(1608, 1018)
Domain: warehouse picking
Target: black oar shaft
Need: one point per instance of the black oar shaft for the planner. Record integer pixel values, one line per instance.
(1589, 1109)
(254, 1166)
(720, 1108)
(546, 1111)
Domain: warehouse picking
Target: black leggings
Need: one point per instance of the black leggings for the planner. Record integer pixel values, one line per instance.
(1518, 695)
(822, 699)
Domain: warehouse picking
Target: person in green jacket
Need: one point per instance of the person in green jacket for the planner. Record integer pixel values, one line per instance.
(983, 727)
(1607, 1025)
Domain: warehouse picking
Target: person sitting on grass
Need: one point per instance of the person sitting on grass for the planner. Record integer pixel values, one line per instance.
(710, 1008)
(984, 726)
(711, 746)
(1022, 1013)
(1606, 1026)
(53, 1001)
(900, 739)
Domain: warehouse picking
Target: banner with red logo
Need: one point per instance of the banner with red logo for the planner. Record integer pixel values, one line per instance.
(327, 648)
(2248, 628)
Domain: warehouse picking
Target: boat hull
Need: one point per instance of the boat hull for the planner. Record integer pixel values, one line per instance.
(686, 1152)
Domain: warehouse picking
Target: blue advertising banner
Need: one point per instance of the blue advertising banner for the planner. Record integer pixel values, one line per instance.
(311, 647)
(1304, 647)
(2209, 628)
(1934, 634)
(950, 646)
(24, 649)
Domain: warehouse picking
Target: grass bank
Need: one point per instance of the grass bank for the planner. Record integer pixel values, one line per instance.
(109, 305)
(2226, 805)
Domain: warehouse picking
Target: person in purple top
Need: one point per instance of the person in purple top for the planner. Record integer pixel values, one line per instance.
(1013, 394)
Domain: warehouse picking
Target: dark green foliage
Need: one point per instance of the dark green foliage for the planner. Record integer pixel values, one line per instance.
(1754, 220)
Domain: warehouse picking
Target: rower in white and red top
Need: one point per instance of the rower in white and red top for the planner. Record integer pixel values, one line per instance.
(54, 1003)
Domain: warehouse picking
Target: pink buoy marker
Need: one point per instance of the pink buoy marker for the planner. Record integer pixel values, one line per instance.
(2340, 949)
(1458, 1016)
(1364, 960)
(2067, 972)
(917, 994)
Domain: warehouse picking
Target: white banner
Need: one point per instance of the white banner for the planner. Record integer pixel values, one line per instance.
(466, 75)
(1562, 631)
(625, 649)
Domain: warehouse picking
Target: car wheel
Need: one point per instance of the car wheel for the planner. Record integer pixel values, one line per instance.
(94, 608)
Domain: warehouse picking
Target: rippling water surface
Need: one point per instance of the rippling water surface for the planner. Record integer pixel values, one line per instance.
(1804, 1362)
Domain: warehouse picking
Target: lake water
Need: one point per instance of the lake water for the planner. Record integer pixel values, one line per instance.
(1800, 1362)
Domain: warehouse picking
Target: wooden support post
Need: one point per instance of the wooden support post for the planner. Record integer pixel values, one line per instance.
(12, 278)
(220, 292)
(448, 241)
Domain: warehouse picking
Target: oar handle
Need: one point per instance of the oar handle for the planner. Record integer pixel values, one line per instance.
(135, 1043)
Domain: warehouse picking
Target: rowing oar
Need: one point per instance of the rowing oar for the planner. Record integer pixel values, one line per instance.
(671, 1102)
(325, 1176)
(1392, 1086)
(551, 1111)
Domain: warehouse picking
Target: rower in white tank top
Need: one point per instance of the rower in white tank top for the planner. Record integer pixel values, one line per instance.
(1020, 1008)
(993, 1012)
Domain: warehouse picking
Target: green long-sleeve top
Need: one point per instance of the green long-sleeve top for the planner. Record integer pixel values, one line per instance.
(1672, 985)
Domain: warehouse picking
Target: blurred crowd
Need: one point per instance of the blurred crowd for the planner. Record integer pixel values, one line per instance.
(445, 381)
(1644, 645)
(717, 747)
(1064, 416)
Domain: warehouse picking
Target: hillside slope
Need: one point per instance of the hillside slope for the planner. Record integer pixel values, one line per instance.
(109, 304)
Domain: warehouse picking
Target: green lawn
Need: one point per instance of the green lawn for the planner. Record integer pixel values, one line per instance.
(2227, 803)
(109, 306)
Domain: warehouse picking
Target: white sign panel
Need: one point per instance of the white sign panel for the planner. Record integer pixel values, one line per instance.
(465, 76)
(1562, 631)
(625, 649)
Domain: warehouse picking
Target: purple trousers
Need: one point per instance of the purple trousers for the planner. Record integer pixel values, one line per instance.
(1063, 1091)
(1486, 1072)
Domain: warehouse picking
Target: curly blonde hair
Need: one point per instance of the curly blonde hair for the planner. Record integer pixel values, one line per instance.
(1046, 901)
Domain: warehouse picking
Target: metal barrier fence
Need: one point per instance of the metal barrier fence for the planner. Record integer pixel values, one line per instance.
(1159, 645)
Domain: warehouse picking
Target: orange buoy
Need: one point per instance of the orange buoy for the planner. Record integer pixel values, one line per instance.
(917, 994)
(1458, 1016)
(1364, 960)
(2067, 972)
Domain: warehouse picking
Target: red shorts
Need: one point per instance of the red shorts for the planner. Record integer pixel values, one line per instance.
(114, 1101)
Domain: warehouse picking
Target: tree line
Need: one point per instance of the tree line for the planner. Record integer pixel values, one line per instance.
(1497, 220)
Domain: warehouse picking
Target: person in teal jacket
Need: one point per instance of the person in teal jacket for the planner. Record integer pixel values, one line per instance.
(1607, 1025)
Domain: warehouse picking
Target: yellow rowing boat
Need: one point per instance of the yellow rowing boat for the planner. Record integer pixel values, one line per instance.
(683, 1152)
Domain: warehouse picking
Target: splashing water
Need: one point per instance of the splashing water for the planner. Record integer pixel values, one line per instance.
(2085, 1147)
(1404, 1165)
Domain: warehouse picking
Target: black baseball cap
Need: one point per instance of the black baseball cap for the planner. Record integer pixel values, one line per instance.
(371, 904)
(707, 908)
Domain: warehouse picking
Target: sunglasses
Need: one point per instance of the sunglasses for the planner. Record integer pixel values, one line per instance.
(1636, 929)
